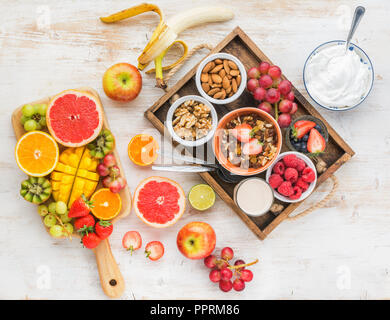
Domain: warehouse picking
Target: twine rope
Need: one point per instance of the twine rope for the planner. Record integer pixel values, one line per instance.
(319, 204)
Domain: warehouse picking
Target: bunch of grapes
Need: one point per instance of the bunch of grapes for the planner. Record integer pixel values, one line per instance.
(33, 117)
(56, 218)
(267, 87)
(112, 175)
(228, 276)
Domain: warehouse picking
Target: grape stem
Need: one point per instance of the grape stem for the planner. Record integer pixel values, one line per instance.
(63, 227)
(244, 265)
(276, 112)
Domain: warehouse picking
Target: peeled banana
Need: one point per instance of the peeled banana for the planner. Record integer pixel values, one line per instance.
(167, 31)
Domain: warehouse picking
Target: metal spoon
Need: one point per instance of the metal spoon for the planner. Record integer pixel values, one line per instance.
(357, 16)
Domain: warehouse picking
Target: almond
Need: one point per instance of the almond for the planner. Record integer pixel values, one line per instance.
(218, 61)
(216, 68)
(222, 73)
(226, 66)
(228, 90)
(223, 94)
(205, 87)
(234, 73)
(218, 95)
(210, 82)
(225, 82)
(216, 78)
(238, 78)
(229, 77)
(204, 77)
(234, 85)
(213, 91)
(208, 67)
(232, 65)
(216, 85)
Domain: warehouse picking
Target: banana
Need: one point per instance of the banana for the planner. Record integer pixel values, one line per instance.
(167, 31)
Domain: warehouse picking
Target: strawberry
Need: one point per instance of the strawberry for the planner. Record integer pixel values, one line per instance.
(302, 127)
(242, 132)
(253, 147)
(91, 240)
(316, 143)
(80, 207)
(132, 241)
(85, 223)
(154, 250)
(103, 229)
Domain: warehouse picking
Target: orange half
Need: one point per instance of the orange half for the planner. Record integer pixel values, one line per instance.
(142, 149)
(36, 153)
(106, 204)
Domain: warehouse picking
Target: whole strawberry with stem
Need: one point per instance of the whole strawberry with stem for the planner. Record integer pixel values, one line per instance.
(80, 207)
(103, 229)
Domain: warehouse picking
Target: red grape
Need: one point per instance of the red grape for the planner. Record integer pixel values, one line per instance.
(276, 82)
(294, 108)
(226, 274)
(265, 81)
(265, 106)
(109, 160)
(284, 120)
(210, 261)
(238, 285)
(263, 67)
(285, 106)
(272, 95)
(238, 262)
(102, 170)
(246, 275)
(225, 286)
(284, 87)
(222, 264)
(274, 72)
(122, 181)
(253, 73)
(252, 85)
(215, 275)
(259, 93)
(290, 96)
(227, 253)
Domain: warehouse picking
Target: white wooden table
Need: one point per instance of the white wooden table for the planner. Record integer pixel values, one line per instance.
(339, 252)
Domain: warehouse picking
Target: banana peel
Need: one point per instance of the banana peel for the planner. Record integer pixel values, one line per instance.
(167, 31)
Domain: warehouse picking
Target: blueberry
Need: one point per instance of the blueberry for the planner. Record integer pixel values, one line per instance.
(305, 137)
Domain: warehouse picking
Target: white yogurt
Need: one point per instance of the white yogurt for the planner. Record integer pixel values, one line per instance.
(337, 78)
(254, 196)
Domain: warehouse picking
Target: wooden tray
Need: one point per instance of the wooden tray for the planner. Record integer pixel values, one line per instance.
(110, 276)
(240, 45)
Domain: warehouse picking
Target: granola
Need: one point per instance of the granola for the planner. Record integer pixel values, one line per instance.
(192, 120)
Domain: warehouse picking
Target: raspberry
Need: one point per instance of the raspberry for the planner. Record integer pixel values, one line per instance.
(301, 165)
(297, 193)
(302, 184)
(275, 180)
(308, 175)
(286, 189)
(291, 175)
(278, 168)
(290, 161)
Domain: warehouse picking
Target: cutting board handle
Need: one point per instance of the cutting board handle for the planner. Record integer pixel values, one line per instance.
(111, 277)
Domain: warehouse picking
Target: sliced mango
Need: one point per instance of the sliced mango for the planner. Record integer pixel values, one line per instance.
(74, 175)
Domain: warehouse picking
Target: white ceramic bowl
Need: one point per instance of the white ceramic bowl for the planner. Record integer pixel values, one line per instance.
(240, 66)
(190, 143)
(312, 185)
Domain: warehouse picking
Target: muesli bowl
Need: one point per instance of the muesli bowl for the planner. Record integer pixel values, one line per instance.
(191, 121)
(227, 145)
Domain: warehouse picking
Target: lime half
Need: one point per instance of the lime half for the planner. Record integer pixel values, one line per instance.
(201, 197)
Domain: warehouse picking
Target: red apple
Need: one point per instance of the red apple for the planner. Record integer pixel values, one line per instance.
(122, 82)
(196, 240)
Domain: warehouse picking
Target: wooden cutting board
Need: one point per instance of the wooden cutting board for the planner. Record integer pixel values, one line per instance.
(111, 278)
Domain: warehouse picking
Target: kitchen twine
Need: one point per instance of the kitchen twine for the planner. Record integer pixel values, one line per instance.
(319, 204)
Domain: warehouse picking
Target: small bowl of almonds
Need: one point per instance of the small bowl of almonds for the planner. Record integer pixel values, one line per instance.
(191, 120)
(221, 78)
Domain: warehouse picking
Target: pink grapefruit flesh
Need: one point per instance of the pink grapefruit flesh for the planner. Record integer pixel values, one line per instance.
(74, 118)
(159, 201)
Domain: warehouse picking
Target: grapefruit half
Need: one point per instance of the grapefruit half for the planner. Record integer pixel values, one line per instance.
(74, 118)
(159, 202)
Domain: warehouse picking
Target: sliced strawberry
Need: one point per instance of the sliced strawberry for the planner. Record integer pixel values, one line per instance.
(253, 147)
(91, 240)
(154, 250)
(86, 223)
(242, 132)
(103, 229)
(132, 241)
(80, 207)
(316, 143)
(302, 127)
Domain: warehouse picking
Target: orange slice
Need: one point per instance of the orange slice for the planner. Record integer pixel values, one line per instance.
(142, 149)
(36, 153)
(106, 204)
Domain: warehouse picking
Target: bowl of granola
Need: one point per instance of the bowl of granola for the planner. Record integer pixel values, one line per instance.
(191, 121)
(247, 141)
